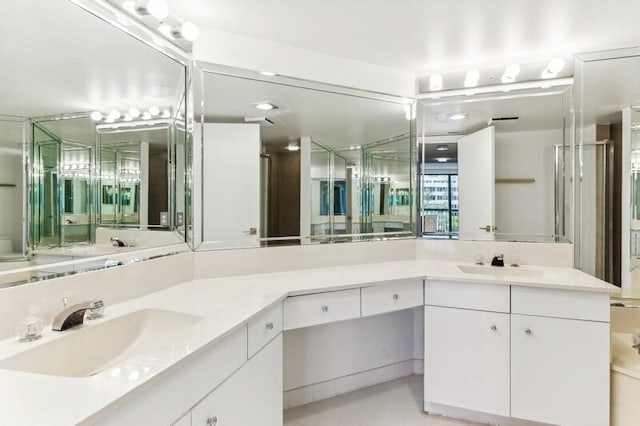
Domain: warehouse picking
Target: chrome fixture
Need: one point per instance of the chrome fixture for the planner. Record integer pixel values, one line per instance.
(74, 315)
(117, 242)
(498, 260)
(478, 259)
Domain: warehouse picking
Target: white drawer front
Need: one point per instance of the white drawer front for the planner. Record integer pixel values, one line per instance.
(579, 305)
(321, 308)
(264, 328)
(393, 296)
(482, 297)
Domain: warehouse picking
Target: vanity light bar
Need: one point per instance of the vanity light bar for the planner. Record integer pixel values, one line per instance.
(499, 88)
(159, 9)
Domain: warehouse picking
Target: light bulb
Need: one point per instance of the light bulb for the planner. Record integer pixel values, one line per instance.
(158, 9)
(166, 31)
(129, 6)
(265, 106)
(154, 110)
(114, 114)
(134, 112)
(512, 70)
(471, 80)
(190, 31)
(127, 117)
(166, 113)
(435, 82)
(146, 116)
(96, 116)
(556, 65)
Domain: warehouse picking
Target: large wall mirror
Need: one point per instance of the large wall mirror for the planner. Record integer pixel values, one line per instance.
(90, 138)
(497, 166)
(609, 96)
(291, 162)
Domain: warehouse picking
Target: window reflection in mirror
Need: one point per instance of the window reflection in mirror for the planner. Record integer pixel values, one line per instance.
(286, 162)
(496, 166)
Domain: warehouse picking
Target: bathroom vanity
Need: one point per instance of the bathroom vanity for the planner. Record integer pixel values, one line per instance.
(528, 343)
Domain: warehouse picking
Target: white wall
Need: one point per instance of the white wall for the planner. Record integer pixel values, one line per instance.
(526, 208)
(11, 198)
(234, 50)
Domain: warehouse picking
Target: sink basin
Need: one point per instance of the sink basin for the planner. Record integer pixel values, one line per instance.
(93, 348)
(500, 271)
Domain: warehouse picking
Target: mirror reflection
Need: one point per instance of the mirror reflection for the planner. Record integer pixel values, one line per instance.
(497, 166)
(62, 101)
(289, 163)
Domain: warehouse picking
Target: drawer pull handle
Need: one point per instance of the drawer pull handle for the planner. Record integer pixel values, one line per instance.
(396, 296)
(270, 325)
(493, 327)
(212, 421)
(325, 308)
(528, 331)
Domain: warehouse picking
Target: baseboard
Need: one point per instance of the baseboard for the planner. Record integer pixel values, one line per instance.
(418, 367)
(330, 388)
(475, 416)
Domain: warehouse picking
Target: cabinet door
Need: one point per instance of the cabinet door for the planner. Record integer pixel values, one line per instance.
(467, 359)
(252, 396)
(560, 370)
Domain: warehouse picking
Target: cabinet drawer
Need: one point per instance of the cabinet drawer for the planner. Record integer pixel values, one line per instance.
(321, 308)
(560, 303)
(482, 297)
(393, 296)
(264, 328)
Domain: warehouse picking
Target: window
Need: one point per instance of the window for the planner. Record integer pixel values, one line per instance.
(440, 204)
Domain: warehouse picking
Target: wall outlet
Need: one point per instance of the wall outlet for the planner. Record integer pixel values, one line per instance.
(164, 219)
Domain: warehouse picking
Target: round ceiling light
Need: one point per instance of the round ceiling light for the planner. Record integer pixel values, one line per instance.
(265, 106)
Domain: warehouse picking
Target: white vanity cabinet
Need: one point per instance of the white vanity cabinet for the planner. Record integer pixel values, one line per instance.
(252, 396)
(541, 355)
(467, 359)
(467, 346)
(559, 365)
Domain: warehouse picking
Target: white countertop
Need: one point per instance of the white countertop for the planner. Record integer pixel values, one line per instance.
(225, 304)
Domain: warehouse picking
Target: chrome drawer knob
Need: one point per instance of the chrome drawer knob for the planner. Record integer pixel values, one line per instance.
(396, 296)
(270, 325)
(325, 308)
(528, 331)
(212, 421)
(493, 327)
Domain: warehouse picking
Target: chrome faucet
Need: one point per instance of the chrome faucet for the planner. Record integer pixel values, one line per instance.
(74, 314)
(117, 242)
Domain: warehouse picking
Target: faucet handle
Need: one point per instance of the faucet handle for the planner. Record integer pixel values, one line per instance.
(95, 309)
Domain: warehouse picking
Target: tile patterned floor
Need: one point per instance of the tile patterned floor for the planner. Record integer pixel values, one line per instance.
(395, 403)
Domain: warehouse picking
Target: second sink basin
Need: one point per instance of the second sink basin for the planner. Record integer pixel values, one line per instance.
(500, 271)
(94, 348)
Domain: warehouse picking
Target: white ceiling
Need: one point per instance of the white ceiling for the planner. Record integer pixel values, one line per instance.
(421, 36)
(58, 58)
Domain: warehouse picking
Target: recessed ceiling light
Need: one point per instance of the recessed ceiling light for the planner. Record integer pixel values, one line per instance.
(458, 116)
(442, 160)
(268, 73)
(442, 148)
(435, 82)
(293, 147)
(265, 106)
